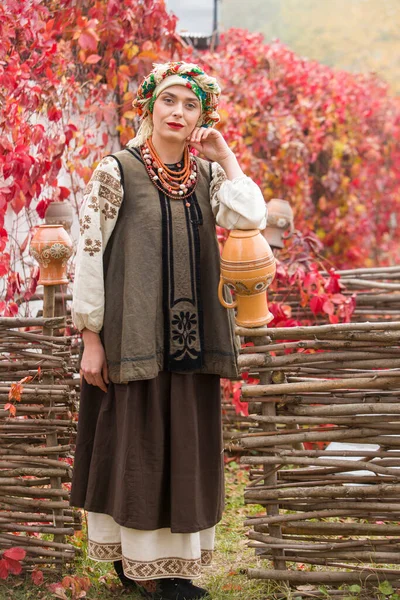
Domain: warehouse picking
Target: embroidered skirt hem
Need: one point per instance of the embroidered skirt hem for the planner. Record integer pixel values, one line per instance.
(148, 555)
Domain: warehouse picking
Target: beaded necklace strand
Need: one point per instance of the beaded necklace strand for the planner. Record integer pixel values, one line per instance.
(177, 185)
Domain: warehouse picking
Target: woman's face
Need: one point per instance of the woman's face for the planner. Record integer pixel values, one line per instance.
(176, 113)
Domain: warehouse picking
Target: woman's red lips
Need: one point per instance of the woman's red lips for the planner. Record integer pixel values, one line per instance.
(175, 125)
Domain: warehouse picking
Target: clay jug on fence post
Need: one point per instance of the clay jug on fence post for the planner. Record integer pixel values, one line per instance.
(51, 246)
(60, 213)
(247, 267)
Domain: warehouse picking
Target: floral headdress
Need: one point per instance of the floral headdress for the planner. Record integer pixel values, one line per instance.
(192, 76)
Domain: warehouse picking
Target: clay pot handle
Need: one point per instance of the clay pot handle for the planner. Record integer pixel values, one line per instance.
(221, 296)
(288, 234)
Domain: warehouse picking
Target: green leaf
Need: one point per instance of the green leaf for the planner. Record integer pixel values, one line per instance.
(355, 588)
(385, 588)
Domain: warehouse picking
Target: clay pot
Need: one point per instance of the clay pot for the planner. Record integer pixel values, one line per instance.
(51, 246)
(279, 220)
(59, 213)
(247, 267)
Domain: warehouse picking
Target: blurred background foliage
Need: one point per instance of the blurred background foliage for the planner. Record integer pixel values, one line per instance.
(356, 35)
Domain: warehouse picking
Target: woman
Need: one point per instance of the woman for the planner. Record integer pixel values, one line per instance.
(149, 454)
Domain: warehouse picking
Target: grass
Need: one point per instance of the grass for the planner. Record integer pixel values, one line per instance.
(226, 578)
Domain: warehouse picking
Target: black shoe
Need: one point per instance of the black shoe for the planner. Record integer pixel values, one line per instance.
(165, 589)
(179, 589)
(194, 589)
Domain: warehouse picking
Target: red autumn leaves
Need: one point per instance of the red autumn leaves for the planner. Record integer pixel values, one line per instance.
(65, 74)
(327, 141)
(10, 562)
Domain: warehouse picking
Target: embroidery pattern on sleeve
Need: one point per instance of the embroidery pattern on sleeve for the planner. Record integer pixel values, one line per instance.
(217, 180)
(94, 204)
(108, 194)
(84, 223)
(103, 197)
(92, 246)
(88, 188)
(110, 187)
(109, 212)
(107, 160)
(107, 179)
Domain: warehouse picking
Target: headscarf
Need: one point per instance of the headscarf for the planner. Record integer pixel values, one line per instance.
(165, 75)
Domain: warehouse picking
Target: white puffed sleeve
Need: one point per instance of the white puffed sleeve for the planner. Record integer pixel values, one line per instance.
(236, 204)
(102, 200)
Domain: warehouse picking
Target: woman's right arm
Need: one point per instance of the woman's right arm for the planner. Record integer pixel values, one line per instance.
(237, 203)
(102, 199)
(93, 363)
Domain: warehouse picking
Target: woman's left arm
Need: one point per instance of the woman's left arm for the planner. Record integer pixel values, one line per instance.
(237, 202)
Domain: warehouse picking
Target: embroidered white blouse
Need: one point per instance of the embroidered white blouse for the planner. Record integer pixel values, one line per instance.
(236, 204)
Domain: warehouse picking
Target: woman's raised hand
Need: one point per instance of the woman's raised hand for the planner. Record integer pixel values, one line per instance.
(211, 143)
(93, 363)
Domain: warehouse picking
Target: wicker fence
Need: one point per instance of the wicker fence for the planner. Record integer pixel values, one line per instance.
(377, 298)
(37, 384)
(344, 375)
(337, 509)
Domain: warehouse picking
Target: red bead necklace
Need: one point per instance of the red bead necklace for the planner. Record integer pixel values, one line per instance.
(177, 185)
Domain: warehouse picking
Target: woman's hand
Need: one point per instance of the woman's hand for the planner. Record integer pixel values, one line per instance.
(93, 363)
(211, 143)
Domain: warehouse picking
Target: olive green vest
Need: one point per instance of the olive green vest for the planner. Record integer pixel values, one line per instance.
(161, 273)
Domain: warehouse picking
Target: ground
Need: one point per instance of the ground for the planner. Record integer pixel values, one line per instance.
(226, 579)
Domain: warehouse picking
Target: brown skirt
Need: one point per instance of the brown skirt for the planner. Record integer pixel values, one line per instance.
(150, 453)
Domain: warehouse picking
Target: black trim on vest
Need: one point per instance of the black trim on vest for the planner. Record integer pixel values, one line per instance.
(196, 216)
(164, 232)
(121, 171)
(192, 265)
(195, 228)
(136, 154)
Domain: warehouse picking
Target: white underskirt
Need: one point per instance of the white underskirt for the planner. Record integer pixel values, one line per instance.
(149, 554)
